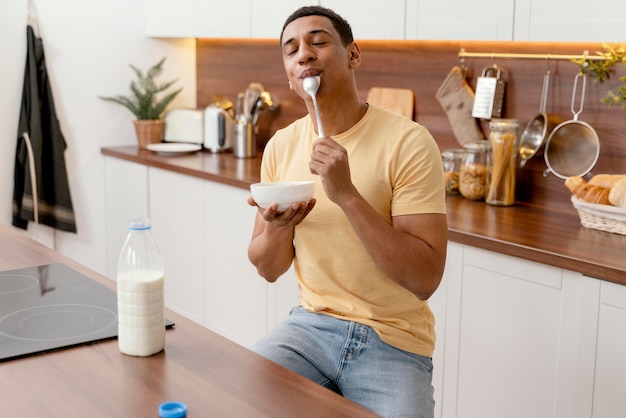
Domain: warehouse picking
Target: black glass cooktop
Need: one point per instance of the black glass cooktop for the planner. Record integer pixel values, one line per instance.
(51, 307)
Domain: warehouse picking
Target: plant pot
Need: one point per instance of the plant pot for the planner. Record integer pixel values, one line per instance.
(149, 131)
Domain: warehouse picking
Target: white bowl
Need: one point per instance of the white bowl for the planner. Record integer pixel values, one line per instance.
(282, 193)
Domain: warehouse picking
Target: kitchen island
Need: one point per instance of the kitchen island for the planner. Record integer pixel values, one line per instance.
(212, 375)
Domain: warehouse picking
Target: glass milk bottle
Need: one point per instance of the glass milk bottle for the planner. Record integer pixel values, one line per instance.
(503, 139)
(140, 293)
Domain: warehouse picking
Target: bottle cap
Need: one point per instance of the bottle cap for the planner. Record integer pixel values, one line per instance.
(139, 224)
(173, 410)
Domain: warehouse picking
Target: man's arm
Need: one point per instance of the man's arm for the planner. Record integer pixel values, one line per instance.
(271, 248)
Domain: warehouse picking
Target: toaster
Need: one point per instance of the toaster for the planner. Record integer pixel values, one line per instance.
(218, 129)
(184, 125)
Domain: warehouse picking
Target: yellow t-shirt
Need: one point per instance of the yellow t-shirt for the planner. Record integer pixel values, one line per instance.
(395, 164)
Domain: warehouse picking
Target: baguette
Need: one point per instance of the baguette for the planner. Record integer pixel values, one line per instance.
(617, 195)
(606, 180)
(590, 193)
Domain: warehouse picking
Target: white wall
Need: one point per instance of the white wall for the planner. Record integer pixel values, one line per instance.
(88, 46)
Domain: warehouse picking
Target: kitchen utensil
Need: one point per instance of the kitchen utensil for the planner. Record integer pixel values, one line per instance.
(222, 102)
(256, 111)
(398, 100)
(251, 95)
(311, 85)
(456, 98)
(573, 147)
(534, 134)
(489, 97)
(239, 111)
(244, 139)
(282, 193)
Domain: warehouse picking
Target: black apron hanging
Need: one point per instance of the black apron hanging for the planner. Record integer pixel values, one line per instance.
(38, 120)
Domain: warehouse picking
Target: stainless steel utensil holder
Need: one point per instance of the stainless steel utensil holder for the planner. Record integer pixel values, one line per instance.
(244, 141)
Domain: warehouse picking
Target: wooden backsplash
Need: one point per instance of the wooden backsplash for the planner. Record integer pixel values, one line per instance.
(225, 67)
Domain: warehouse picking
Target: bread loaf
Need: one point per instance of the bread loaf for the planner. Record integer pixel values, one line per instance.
(590, 193)
(617, 195)
(606, 180)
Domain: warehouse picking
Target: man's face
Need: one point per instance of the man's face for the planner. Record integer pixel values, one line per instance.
(311, 46)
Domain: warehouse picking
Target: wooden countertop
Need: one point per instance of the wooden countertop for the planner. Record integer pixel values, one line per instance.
(212, 375)
(537, 233)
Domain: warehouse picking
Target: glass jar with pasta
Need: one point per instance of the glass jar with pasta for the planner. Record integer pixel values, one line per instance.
(452, 160)
(501, 180)
(474, 169)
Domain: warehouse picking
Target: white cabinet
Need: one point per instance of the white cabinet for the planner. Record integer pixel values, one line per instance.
(460, 20)
(202, 229)
(571, 21)
(178, 216)
(372, 19)
(517, 338)
(210, 19)
(236, 298)
(126, 198)
(239, 304)
(443, 304)
(221, 19)
(170, 19)
(609, 400)
(523, 20)
(509, 337)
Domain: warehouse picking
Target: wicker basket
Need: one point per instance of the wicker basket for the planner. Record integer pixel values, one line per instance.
(602, 217)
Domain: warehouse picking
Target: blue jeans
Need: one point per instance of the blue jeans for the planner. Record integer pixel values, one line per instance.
(352, 360)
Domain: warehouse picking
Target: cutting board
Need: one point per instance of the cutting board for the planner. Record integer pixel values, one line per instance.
(398, 100)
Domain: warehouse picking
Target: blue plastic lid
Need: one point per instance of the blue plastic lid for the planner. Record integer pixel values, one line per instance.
(173, 410)
(139, 224)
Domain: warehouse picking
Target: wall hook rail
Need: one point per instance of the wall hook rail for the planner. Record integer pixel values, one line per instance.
(493, 55)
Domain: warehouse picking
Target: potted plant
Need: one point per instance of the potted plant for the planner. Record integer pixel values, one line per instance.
(600, 71)
(144, 102)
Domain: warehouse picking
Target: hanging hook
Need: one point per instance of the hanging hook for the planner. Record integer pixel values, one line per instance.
(462, 62)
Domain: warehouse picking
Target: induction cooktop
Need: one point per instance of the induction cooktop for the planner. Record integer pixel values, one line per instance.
(51, 307)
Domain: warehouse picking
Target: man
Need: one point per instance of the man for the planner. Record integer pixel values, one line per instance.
(369, 249)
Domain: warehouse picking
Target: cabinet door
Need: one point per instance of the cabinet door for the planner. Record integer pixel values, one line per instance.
(235, 295)
(126, 186)
(516, 336)
(557, 20)
(441, 307)
(269, 16)
(166, 18)
(222, 19)
(460, 20)
(609, 392)
(371, 19)
(282, 297)
(177, 214)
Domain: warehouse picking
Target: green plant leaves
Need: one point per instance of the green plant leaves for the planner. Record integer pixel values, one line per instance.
(600, 71)
(144, 102)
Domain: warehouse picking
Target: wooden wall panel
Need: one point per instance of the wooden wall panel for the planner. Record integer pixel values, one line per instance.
(227, 66)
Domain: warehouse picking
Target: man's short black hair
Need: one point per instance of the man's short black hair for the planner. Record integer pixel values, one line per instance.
(339, 23)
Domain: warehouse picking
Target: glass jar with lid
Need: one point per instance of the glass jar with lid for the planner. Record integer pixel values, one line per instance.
(452, 160)
(503, 140)
(474, 170)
